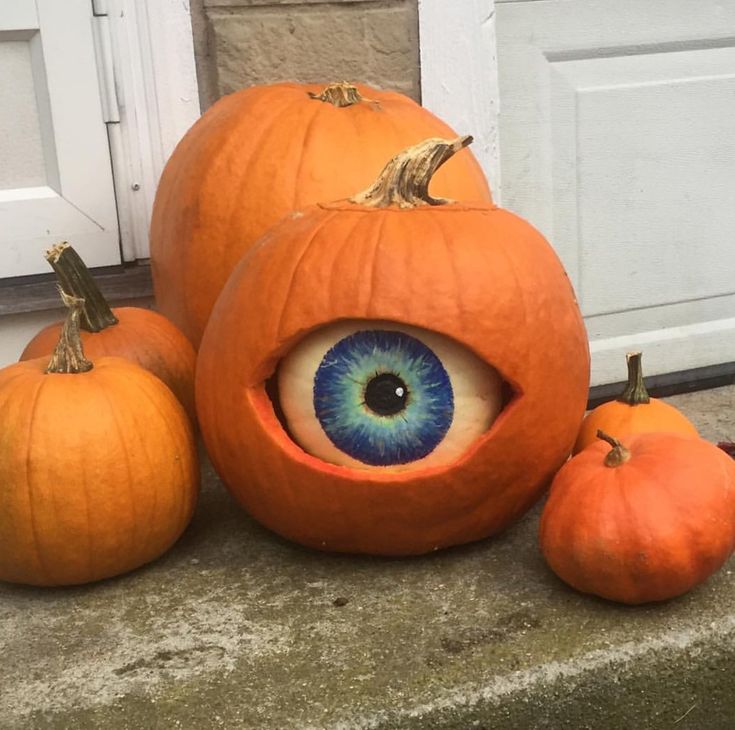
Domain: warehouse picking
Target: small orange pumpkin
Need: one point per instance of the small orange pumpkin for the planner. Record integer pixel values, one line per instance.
(98, 467)
(140, 335)
(644, 521)
(634, 411)
(396, 373)
(262, 152)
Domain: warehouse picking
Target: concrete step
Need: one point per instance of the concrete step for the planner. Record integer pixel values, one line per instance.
(236, 628)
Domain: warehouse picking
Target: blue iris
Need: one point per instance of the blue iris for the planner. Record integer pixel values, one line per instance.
(383, 397)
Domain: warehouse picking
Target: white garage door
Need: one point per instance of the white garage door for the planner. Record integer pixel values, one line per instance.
(617, 140)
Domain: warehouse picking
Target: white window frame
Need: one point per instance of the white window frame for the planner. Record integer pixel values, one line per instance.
(151, 98)
(459, 74)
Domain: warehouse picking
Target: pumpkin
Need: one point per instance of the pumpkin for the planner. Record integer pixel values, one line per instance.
(140, 335)
(98, 468)
(259, 153)
(644, 521)
(634, 411)
(395, 373)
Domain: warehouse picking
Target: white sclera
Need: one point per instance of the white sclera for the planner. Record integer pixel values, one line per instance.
(477, 387)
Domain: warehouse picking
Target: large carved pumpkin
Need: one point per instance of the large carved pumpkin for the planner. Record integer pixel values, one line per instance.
(262, 152)
(396, 373)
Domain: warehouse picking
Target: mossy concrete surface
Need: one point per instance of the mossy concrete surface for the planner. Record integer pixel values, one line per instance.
(238, 628)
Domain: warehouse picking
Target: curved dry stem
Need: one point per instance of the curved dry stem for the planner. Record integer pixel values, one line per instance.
(339, 94)
(68, 355)
(618, 454)
(405, 180)
(75, 278)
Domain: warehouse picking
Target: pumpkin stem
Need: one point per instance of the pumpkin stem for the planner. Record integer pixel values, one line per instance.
(618, 454)
(635, 392)
(404, 181)
(74, 277)
(68, 356)
(339, 94)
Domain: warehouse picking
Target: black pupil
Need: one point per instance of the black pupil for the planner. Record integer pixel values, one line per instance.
(386, 394)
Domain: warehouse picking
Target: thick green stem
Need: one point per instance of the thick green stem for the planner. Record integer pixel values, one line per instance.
(68, 356)
(339, 94)
(405, 180)
(635, 392)
(618, 454)
(75, 279)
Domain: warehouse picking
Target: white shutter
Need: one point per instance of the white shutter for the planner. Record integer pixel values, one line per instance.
(55, 170)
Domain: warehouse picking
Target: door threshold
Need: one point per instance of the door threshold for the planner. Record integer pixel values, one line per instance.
(24, 294)
(666, 384)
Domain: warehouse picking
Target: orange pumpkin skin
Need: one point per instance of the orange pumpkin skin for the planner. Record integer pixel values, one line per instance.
(477, 274)
(647, 530)
(141, 336)
(260, 153)
(98, 472)
(622, 419)
(634, 411)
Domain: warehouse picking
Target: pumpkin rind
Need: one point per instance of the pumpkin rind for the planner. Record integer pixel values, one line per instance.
(649, 529)
(260, 153)
(141, 336)
(98, 471)
(474, 273)
(634, 411)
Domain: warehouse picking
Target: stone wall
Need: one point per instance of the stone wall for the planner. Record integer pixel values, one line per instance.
(239, 43)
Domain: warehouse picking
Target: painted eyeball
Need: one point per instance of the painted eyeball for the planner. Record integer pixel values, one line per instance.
(373, 394)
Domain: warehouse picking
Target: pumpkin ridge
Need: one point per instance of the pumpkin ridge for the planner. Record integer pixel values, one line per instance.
(146, 540)
(687, 559)
(172, 189)
(31, 510)
(187, 504)
(138, 383)
(122, 442)
(192, 272)
(375, 245)
(454, 269)
(283, 309)
(298, 167)
(696, 548)
(345, 249)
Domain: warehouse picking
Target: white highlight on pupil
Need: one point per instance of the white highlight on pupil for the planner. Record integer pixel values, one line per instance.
(399, 392)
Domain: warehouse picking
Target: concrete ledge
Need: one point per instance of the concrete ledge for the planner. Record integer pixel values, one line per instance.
(237, 628)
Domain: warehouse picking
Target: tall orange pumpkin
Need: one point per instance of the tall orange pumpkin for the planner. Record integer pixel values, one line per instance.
(396, 373)
(98, 466)
(259, 153)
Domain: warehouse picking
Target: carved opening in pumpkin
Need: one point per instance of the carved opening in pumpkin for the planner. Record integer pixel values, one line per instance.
(383, 395)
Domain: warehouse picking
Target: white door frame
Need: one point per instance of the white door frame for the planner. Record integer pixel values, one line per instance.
(151, 99)
(459, 74)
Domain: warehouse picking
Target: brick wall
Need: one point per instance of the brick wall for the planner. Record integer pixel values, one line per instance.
(243, 42)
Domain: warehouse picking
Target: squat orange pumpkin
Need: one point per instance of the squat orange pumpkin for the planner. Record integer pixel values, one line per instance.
(644, 521)
(262, 152)
(98, 467)
(332, 382)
